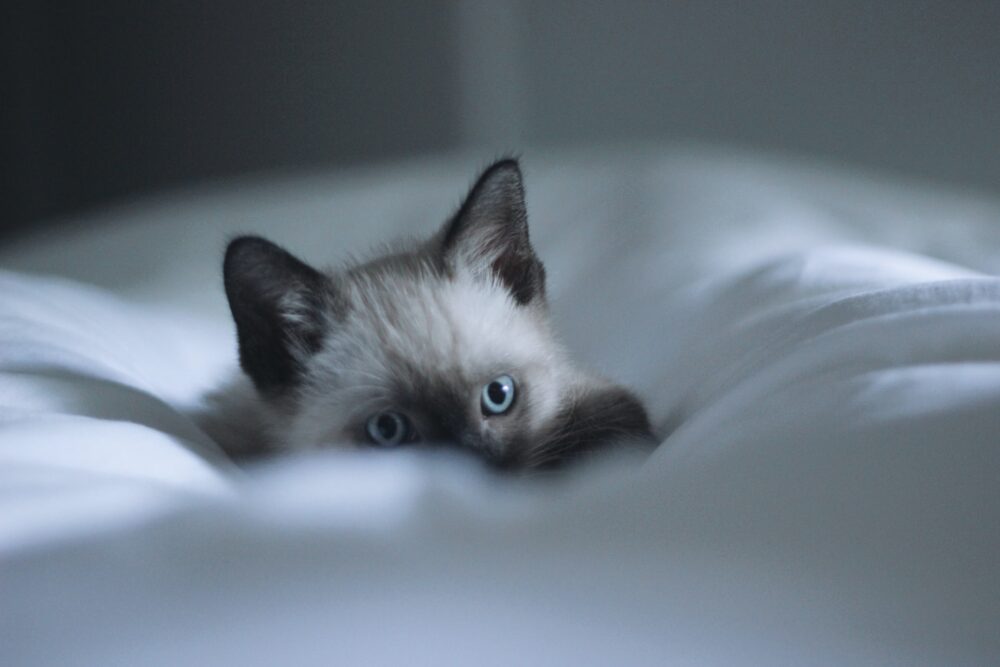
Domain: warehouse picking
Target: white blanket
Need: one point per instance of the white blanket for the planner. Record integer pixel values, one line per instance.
(827, 491)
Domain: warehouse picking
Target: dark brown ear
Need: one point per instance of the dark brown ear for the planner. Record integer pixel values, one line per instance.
(595, 422)
(277, 302)
(489, 234)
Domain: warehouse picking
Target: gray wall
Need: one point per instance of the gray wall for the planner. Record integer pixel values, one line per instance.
(908, 85)
(117, 98)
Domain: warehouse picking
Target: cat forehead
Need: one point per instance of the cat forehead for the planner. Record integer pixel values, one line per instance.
(435, 322)
(457, 310)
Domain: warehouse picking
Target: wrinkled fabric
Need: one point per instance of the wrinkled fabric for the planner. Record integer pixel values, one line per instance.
(819, 350)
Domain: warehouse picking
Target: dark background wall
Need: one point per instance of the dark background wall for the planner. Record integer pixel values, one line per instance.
(117, 98)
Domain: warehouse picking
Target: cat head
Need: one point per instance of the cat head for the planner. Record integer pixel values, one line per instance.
(444, 343)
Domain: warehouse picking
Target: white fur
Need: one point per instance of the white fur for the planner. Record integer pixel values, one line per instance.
(466, 327)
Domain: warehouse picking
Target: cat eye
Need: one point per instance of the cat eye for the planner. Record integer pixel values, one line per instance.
(497, 396)
(388, 429)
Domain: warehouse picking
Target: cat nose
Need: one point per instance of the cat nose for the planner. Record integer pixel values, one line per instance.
(468, 435)
(473, 440)
(479, 443)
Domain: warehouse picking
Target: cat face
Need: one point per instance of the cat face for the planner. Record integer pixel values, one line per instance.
(444, 344)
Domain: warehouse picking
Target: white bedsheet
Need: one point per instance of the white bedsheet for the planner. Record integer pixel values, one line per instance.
(828, 490)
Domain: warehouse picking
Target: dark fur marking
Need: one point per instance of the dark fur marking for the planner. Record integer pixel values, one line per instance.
(497, 200)
(258, 275)
(590, 425)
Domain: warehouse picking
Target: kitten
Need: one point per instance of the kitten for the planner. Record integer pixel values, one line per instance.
(447, 342)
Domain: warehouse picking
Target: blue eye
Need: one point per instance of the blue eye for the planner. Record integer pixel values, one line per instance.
(388, 429)
(498, 395)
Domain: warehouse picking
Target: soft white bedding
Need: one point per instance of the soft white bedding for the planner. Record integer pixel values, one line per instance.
(828, 490)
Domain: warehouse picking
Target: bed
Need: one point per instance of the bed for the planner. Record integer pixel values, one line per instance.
(819, 349)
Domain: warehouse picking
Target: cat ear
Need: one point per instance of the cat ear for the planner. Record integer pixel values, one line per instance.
(276, 301)
(489, 234)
